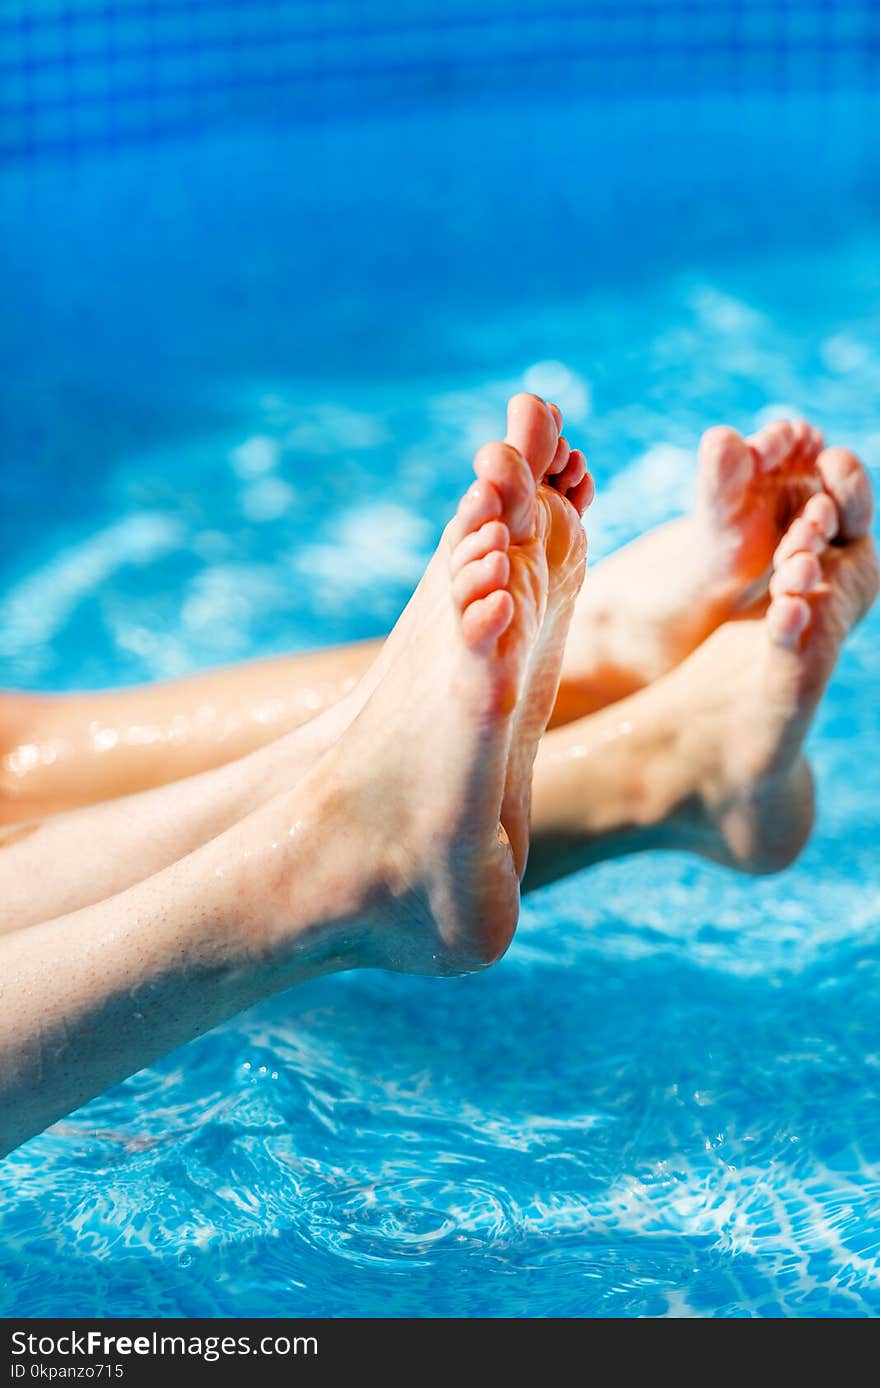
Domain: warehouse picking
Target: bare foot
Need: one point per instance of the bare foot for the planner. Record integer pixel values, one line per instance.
(565, 490)
(543, 487)
(427, 788)
(754, 687)
(648, 606)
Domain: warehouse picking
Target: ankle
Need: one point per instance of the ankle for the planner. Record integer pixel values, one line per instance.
(310, 886)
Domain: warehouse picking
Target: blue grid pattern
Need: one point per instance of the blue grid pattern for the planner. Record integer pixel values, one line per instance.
(79, 73)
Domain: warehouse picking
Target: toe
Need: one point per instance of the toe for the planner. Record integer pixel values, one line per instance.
(533, 431)
(560, 457)
(821, 512)
(494, 535)
(726, 466)
(480, 578)
(787, 619)
(800, 436)
(480, 503)
(582, 495)
(772, 444)
(847, 483)
(806, 445)
(801, 535)
(574, 472)
(815, 444)
(486, 619)
(797, 575)
(505, 469)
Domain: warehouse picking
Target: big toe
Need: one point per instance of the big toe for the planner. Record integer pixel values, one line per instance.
(533, 430)
(848, 484)
(726, 466)
(504, 468)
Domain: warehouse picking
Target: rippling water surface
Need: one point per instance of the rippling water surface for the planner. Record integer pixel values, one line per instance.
(247, 381)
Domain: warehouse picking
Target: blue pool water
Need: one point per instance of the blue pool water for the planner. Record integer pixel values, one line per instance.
(245, 376)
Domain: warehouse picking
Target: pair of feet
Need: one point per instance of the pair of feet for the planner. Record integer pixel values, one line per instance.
(425, 784)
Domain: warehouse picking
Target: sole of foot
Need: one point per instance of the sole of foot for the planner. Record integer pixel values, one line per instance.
(423, 797)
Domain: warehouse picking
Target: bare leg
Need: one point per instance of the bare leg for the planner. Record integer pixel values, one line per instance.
(643, 610)
(91, 997)
(58, 865)
(60, 752)
(97, 995)
(354, 866)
